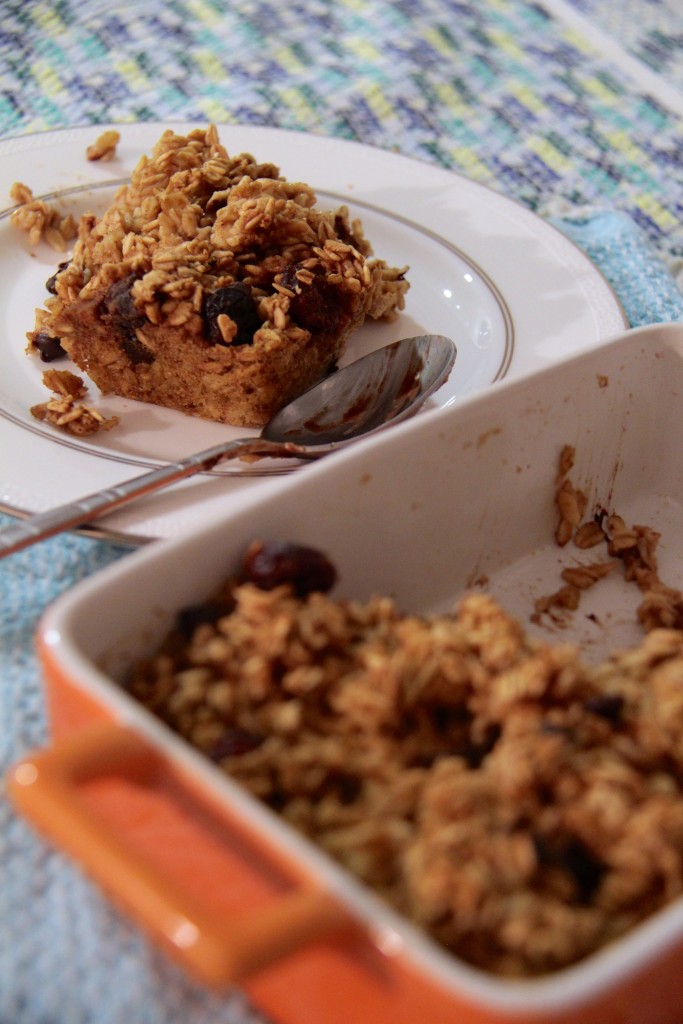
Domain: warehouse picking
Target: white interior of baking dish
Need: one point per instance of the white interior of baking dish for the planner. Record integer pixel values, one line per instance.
(461, 500)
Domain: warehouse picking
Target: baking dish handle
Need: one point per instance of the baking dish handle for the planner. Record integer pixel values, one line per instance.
(44, 787)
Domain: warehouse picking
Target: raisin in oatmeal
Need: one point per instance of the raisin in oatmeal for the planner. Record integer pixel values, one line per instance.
(214, 286)
(523, 808)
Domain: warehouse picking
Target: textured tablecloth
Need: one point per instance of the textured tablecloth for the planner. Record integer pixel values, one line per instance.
(573, 108)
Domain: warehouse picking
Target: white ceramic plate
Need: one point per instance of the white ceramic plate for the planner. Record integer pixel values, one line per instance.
(513, 293)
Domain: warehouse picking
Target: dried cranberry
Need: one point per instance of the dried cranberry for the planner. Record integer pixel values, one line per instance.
(234, 742)
(236, 301)
(48, 347)
(51, 283)
(119, 310)
(319, 307)
(304, 569)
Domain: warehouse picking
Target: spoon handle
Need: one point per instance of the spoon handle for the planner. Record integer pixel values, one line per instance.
(45, 524)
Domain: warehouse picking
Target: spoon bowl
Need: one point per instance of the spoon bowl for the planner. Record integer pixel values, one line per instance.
(380, 389)
(383, 388)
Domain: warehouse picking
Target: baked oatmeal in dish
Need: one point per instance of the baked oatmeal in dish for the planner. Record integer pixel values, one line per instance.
(213, 286)
(525, 809)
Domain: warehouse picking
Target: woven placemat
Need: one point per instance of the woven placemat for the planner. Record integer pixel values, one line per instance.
(500, 90)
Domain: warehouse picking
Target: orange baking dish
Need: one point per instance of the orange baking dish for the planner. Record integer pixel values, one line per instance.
(460, 498)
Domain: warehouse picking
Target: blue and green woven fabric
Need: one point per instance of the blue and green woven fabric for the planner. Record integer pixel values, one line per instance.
(572, 107)
(503, 91)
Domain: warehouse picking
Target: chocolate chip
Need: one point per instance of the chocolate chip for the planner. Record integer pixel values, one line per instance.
(51, 283)
(234, 742)
(304, 569)
(446, 718)
(342, 231)
(208, 613)
(606, 705)
(584, 867)
(318, 306)
(236, 301)
(478, 751)
(119, 304)
(453, 736)
(48, 347)
(136, 351)
(119, 310)
(574, 857)
(347, 787)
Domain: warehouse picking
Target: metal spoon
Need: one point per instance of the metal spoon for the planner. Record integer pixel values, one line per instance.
(382, 388)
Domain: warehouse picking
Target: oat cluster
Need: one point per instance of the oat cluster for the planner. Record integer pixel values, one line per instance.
(65, 411)
(104, 146)
(40, 219)
(633, 548)
(523, 808)
(194, 218)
